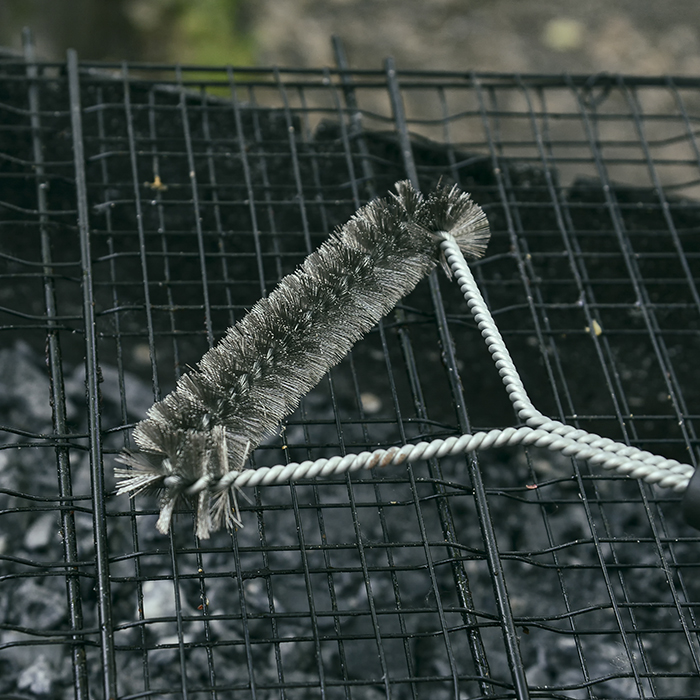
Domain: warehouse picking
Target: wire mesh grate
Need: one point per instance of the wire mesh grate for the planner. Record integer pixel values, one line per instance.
(145, 208)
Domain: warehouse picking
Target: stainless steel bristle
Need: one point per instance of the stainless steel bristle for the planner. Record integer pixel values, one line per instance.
(256, 375)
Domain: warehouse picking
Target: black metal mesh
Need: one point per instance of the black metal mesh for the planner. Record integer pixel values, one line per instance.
(144, 208)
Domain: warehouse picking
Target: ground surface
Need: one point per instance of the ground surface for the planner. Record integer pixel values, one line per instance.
(630, 36)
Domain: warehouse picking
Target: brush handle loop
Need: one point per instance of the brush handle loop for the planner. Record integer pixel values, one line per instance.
(540, 431)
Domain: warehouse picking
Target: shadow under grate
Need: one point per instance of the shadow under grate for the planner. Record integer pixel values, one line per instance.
(143, 209)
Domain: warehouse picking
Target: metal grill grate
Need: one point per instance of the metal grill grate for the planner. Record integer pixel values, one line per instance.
(144, 208)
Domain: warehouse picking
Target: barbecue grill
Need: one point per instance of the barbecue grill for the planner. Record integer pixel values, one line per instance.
(144, 208)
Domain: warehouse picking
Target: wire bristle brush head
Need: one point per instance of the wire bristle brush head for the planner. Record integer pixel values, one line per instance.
(198, 438)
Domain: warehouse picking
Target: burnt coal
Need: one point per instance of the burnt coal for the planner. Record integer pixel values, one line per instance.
(378, 585)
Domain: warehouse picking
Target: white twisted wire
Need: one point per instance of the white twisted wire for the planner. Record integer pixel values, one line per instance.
(540, 431)
(514, 386)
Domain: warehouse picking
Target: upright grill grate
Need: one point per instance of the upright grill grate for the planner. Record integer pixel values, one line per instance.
(144, 208)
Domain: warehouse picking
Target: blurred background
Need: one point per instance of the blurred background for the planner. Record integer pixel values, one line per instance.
(628, 36)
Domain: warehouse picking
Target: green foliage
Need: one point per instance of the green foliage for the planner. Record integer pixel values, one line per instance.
(209, 32)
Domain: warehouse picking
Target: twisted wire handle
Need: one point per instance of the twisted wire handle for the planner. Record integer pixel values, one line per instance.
(540, 430)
